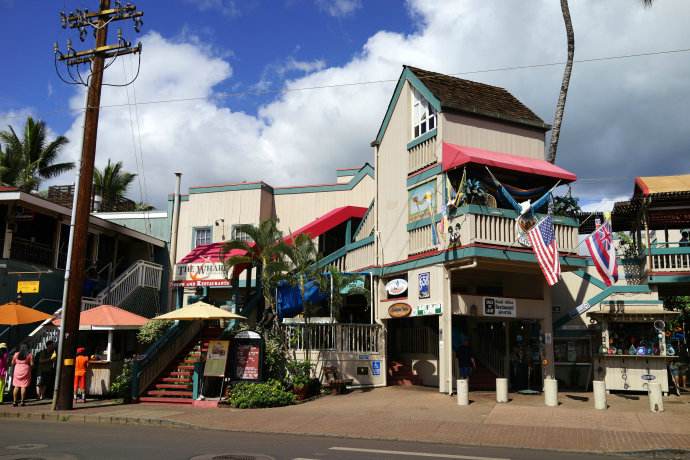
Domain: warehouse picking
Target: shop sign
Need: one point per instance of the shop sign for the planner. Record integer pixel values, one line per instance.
(648, 377)
(201, 274)
(396, 287)
(427, 309)
(216, 358)
(28, 287)
(424, 285)
(500, 306)
(399, 310)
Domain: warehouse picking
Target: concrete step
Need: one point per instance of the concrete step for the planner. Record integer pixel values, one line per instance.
(173, 386)
(176, 380)
(173, 393)
(159, 400)
(180, 374)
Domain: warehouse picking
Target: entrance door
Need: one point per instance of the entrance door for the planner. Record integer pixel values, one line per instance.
(412, 348)
(525, 355)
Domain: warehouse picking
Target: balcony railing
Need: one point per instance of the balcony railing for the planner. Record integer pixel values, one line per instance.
(422, 155)
(31, 251)
(671, 258)
(351, 338)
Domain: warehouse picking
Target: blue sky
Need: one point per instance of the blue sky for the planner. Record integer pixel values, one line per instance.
(624, 118)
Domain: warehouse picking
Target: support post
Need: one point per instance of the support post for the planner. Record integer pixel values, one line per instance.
(656, 401)
(501, 390)
(551, 392)
(109, 350)
(599, 387)
(463, 392)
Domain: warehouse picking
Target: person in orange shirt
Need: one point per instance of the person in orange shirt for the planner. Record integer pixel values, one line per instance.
(80, 364)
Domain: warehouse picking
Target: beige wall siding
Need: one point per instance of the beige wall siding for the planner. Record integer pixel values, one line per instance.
(492, 135)
(296, 210)
(392, 182)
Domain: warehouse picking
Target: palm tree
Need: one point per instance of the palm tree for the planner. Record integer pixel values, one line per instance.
(111, 184)
(565, 84)
(265, 251)
(26, 162)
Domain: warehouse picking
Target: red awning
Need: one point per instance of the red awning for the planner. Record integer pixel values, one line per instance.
(328, 221)
(455, 155)
(108, 317)
(209, 253)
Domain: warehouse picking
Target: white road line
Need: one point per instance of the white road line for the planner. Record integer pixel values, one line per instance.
(414, 454)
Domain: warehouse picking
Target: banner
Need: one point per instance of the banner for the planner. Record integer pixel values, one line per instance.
(201, 274)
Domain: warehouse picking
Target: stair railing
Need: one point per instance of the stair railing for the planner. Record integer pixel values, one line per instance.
(158, 357)
(141, 274)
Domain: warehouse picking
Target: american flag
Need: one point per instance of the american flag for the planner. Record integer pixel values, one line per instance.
(545, 247)
(603, 252)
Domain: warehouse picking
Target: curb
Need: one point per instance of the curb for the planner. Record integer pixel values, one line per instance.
(97, 419)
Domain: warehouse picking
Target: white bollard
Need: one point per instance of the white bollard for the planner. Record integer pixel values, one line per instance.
(599, 387)
(551, 392)
(656, 402)
(463, 392)
(501, 390)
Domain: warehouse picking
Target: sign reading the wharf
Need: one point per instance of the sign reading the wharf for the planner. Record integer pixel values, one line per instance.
(28, 287)
(424, 285)
(500, 306)
(427, 309)
(396, 287)
(399, 310)
(201, 274)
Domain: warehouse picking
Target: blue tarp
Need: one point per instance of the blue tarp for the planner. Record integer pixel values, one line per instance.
(289, 300)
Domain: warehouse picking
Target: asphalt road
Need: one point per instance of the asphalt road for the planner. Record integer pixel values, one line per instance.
(27, 440)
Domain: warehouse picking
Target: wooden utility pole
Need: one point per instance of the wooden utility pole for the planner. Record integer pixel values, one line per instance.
(95, 58)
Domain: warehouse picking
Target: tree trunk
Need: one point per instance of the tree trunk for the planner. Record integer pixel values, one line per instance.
(560, 106)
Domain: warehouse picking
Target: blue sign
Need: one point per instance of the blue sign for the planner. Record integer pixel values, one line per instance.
(424, 282)
(376, 368)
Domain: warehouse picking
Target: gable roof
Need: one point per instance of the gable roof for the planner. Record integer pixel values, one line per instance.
(479, 98)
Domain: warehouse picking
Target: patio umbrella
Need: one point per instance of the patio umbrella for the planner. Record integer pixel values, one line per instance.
(14, 314)
(198, 310)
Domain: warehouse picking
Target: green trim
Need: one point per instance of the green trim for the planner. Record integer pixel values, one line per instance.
(642, 302)
(366, 170)
(348, 231)
(665, 251)
(231, 188)
(424, 175)
(358, 244)
(670, 278)
(509, 213)
(421, 223)
(364, 218)
(423, 138)
(406, 75)
(346, 172)
(344, 250)
(590, 279)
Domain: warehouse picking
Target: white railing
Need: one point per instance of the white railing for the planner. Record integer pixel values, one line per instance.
(360, 258)
(352, 338)
(671, 259)
(140, 274)
(420, 240)
(422, 155)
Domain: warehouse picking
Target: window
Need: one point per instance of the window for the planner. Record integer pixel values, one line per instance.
(238, 235)
(202, 235)
(423, 115)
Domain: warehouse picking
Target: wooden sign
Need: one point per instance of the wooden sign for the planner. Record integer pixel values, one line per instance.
(399, 310)
(247, 361)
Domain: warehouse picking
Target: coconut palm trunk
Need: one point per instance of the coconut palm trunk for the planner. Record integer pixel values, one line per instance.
(565, 84)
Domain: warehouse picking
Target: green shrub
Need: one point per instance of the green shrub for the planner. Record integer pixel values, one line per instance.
(152, 331)
(254, 395)
(275, 361)
(121, 386)
(299, 372)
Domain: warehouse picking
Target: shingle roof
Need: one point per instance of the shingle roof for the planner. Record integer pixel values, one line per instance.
(473, 97)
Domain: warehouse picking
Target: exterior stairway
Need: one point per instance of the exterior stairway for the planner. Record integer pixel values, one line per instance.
(402, 375)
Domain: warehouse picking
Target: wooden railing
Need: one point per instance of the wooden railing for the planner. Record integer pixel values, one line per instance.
(420, 240)
(670, 259)
(159, 356)
(366, 226)
(352, 338)
(422, 155)
(360, 258)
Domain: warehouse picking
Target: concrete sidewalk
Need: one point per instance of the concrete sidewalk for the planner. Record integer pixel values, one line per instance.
(421, 414)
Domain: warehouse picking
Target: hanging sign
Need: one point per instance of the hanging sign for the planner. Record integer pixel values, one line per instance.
(396, 287)
(216, 358)
(399, 310)
(500, 306)
(424, 285)
(28, 287)
(201, 274)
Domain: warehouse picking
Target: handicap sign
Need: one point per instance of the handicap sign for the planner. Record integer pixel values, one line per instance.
(376, 368)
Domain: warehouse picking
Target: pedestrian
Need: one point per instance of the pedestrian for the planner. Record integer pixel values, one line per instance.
(45, 361)
(465, 359)
(684, 238)
(4, 366)
(80, 364)
(22, 361)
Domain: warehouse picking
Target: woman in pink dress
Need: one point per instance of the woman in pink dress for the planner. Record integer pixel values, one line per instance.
(21, 376)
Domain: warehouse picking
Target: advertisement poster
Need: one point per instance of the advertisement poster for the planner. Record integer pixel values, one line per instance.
(500, 306)
(216, 358)
(424, 288)
(421, 201)
(247, 362)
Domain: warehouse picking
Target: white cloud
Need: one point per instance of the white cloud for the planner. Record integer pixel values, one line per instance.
(605, 204)
(15, 119)
(226, 7)
(623, 116)
(339, 8)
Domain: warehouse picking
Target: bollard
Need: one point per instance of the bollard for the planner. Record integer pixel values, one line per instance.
(463, 392)
(501, 390)
(551, 392)
(599, 387)
(656, 402)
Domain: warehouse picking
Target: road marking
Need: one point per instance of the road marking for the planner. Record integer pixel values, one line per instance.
(414, 454)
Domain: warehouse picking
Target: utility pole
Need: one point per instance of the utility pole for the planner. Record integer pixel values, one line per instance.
(94, 59)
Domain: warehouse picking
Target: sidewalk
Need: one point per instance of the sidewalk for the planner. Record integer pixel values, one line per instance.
(421, 414)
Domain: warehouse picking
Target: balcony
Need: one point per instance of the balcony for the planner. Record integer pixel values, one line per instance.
(474, 224)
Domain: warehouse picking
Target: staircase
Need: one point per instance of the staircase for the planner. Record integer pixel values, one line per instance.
(175, 384)
(400, 374)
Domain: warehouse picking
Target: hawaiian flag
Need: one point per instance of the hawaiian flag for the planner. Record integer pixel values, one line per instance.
(543, 239)
(603, 252)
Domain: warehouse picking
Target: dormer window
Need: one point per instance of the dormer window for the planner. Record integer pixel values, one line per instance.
(423, 115)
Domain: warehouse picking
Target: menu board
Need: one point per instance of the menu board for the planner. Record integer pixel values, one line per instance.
(216, 357)
(247, 362)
